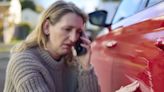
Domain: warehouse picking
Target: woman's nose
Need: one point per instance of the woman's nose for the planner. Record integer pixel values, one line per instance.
(73, 37)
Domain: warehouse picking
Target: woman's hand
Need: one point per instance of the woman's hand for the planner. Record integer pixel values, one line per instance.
(129, 88)
(85, 59)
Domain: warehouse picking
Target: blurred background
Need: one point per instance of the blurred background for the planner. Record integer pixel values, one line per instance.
(19, 17)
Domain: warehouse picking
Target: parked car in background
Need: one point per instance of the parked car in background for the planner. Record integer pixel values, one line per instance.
(133, 49)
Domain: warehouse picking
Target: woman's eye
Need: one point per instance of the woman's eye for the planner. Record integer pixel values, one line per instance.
(68, 29)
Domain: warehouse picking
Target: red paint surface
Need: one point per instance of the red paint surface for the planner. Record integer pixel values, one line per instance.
(135, 57)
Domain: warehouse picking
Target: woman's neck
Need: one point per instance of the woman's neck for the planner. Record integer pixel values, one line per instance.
(53, 53)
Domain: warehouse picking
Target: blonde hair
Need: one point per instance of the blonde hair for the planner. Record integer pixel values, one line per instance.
(54, 13)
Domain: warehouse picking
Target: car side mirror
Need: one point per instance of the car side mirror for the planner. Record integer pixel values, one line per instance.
(98, 18)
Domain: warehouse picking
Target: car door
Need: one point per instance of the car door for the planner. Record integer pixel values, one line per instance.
(130, 52)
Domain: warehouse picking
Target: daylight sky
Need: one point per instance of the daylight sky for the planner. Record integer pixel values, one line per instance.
(86, 5)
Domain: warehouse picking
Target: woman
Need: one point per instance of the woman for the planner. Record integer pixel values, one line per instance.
(46, 60)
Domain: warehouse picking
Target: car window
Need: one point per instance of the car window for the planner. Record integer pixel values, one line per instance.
(153, 2)
(128, 8)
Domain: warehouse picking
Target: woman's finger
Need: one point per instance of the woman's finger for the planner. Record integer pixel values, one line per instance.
(132, 87)
(129, 88)
(86, 46)
(86, 40)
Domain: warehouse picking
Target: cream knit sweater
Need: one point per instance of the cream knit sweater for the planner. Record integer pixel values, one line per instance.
(34, 70)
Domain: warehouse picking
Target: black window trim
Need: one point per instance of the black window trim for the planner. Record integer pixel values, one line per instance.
(147, 6)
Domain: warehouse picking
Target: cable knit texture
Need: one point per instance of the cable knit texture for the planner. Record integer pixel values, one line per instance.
(34, 70)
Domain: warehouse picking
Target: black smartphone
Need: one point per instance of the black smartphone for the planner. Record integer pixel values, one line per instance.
(79, 49)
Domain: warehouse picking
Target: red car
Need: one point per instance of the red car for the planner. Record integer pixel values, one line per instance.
(133, 49)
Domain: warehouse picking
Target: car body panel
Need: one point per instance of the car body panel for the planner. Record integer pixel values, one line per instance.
(135, 55)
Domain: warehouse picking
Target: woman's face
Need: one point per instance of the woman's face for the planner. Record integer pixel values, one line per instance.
(64, 34)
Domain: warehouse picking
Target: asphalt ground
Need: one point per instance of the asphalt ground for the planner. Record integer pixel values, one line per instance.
(4, 58)
(3, 64)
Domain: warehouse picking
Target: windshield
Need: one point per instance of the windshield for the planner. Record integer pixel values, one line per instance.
(128, 8)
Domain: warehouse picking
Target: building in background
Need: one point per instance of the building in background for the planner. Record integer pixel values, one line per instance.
(15, 14)
(4, 8)
(10, 20)
(29, 16)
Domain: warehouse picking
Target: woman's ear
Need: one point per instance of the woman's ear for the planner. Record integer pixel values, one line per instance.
(46, 27)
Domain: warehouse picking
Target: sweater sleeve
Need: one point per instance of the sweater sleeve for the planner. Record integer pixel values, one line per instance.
(33, 84)
(87, 81)
(25, 74)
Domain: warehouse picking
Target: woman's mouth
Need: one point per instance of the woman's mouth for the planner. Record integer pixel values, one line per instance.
(67, 46)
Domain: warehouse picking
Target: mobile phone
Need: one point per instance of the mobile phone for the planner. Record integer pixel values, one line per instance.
(79, 49)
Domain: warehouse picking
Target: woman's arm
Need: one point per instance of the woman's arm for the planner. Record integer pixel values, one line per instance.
(32, 84)
(87, 81)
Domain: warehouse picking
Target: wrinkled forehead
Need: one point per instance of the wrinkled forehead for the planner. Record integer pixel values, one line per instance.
(72, 20)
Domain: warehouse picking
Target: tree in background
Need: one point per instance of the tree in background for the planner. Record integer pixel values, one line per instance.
(28, 4)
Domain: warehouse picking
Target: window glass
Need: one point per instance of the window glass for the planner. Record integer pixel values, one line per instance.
(153, 2)
(127, 8)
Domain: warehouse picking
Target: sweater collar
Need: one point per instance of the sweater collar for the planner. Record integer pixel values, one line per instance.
(49, 59)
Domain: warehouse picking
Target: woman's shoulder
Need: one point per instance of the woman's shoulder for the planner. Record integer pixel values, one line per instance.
(25, 58)
(25, 62)
(25, 65)
(26, 54)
